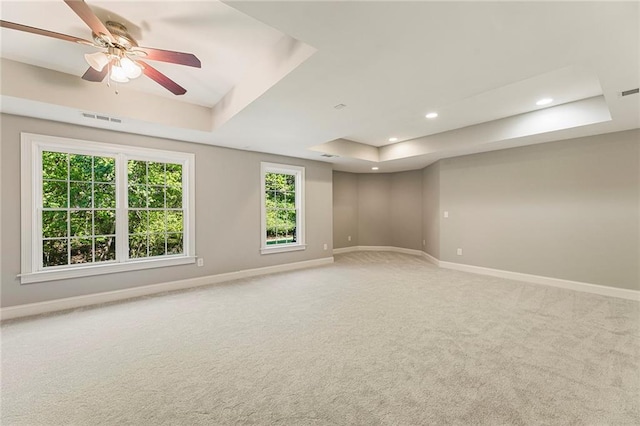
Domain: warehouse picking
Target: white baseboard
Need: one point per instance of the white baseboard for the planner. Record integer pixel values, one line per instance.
(517, 276)
(431, 259)
(345, 250)
(621, 293)
(378, 248)
(111, 296)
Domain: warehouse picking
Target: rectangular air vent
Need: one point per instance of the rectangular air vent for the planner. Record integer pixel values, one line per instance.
(328, 155)
(630, 92)
(101, 117)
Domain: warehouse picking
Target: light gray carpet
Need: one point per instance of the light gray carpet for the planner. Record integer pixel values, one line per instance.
(374, 339)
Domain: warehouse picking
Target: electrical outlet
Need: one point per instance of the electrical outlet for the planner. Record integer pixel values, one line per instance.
(200, 261)
(325, 246)
(446, 214)
(459, 252)
(349, 238)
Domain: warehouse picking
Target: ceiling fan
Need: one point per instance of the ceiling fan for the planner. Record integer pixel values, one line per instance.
(122, 58)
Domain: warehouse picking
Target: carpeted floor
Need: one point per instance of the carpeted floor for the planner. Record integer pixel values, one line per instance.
(374, 339)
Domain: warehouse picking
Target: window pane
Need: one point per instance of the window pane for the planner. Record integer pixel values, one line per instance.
(290, 183)
(105, 195)
(156, 197)
(54, 165)
(54, 252)
(291, 200)
(271, 224)
(80, 194)
(137, 172)
(54, 224)
(174, 175)
(271, 182)
(81, 250)
(54, 194)
(104, 222)
(138, 222)
(175, 221)
(137, 196)
(104, 169)
(291, 226)
(105, 249)
(157, 245)
(157, 221)
(80, 167)
(174, 197)
(156, 173)
(137, 246)
(80, 223)
(175, 244)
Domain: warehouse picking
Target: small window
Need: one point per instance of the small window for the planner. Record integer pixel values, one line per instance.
(282, 208)
(90, 208)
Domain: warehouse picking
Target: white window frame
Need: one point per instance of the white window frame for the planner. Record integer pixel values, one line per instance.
(298, 172)
(32, 146)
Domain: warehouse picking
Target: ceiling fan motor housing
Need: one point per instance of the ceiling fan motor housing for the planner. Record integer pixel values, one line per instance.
(119, 32)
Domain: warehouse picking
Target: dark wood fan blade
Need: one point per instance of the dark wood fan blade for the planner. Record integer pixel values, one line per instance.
(86, 14)
(170, 56)
(39, 31)
(93, 75)
(162, 79)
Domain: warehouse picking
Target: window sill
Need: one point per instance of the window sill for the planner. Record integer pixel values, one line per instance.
(107, 268)
(282, 248)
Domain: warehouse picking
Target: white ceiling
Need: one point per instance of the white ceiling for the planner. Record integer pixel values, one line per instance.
(273, 72)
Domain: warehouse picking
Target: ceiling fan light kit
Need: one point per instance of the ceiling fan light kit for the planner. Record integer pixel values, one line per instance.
(122, 69)
(97, 60)
(119, 61)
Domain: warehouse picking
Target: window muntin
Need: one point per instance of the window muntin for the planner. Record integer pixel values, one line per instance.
(282, 199)
(75, 208)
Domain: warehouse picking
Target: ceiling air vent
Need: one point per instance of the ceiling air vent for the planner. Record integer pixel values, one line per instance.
(101, 117)
(328, 155)
(630, 92)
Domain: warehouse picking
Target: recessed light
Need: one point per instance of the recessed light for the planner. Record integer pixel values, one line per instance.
(393, 139)
(544, 101)
(432, 115)
(374, 168)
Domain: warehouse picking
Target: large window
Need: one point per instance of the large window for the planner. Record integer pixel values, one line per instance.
(90, 208)
(282, 208)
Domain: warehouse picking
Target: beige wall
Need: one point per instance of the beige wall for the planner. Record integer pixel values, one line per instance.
(431, 209)
(374, 210)
(345, 209)
(406, 209)
(227, 213)
(377, 209)
(567, 209)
